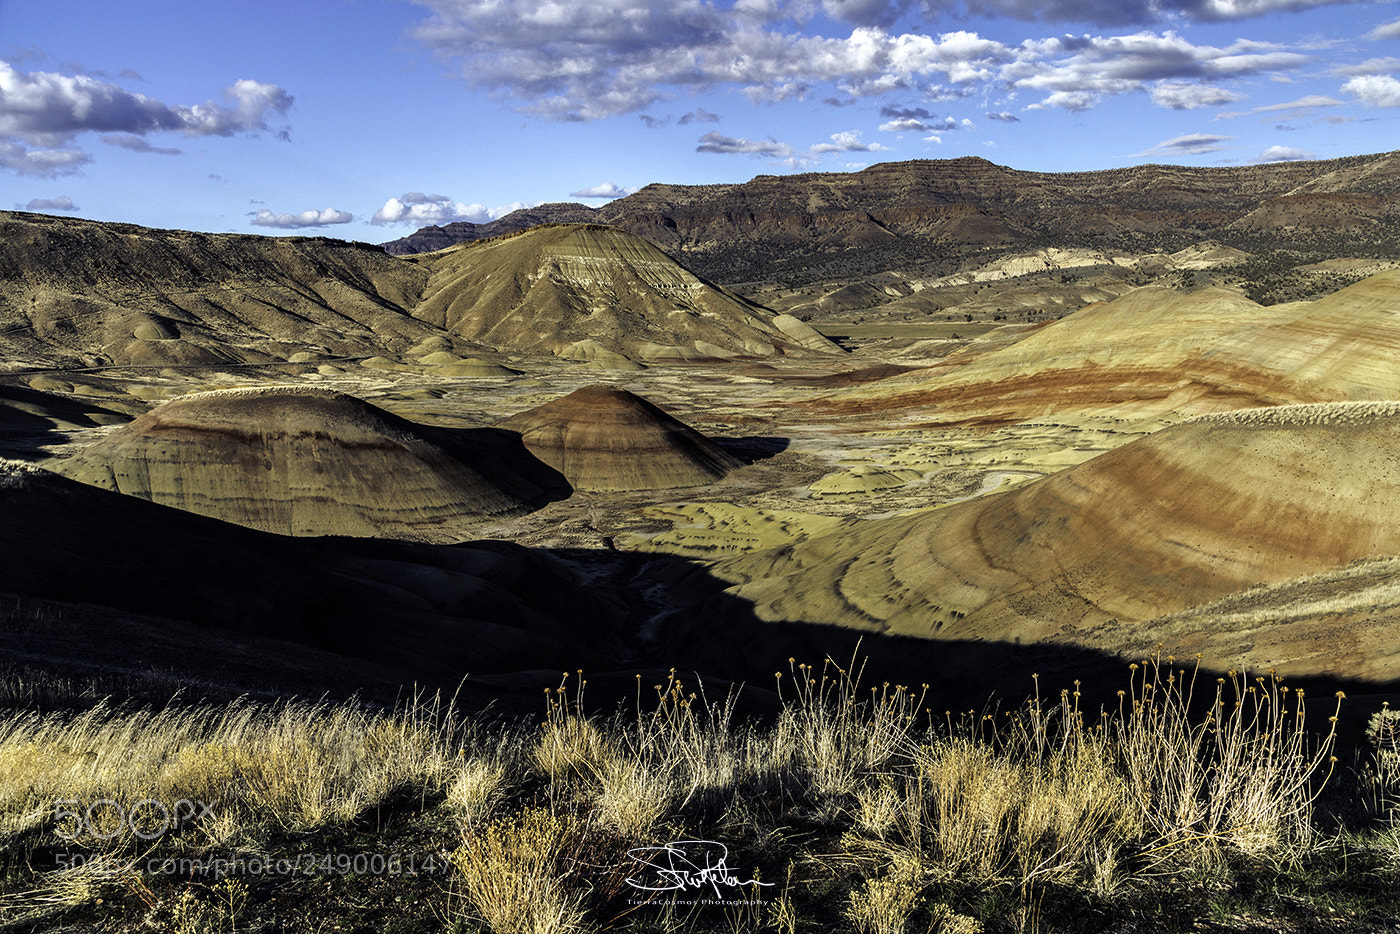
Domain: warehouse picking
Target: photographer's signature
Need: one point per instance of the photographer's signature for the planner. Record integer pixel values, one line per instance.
(687, 864)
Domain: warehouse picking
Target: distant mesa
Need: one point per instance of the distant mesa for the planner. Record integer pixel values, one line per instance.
(304, 461)
(555, 289)
(1084, 557)
(609, 440)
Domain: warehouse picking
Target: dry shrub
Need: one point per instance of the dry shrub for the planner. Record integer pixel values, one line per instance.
(518, 874)
(476, 788)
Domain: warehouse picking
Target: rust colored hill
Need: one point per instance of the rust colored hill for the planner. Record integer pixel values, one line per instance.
(549, 287)
(1157, 352)
(311, 462)
(604, 440)
(1083, 557)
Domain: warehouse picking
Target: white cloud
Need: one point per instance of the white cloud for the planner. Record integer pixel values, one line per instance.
(266, 218)
(1284, 154)
(1073, 101)
(849, 141)
(1300, 106)
(1192, 144)
(1371, 66)
(41, 163)
(61, 203)
(904, 124)
(421, 209)
(1123, 12)
(1375, 90)
(698, 115)
(49, 109)
(605, 190)
(1004, 116)
(1389, 30)
(591, 59)
(1084, 68)
(1177, 95)
(136, 144)
(714, 142)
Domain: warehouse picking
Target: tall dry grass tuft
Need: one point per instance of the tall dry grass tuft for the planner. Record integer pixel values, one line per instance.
(520, 875)
(112, 775)
(1243, 773)
(837, 735)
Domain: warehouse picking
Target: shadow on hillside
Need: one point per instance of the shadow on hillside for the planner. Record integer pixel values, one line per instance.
(754, 448)
(644, 615)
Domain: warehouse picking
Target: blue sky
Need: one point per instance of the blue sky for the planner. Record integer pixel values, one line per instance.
(365, 119)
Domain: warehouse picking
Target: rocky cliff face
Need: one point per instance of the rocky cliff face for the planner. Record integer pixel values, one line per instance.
(777, 224)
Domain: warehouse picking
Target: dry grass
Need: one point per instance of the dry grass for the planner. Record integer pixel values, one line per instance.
(849, 790)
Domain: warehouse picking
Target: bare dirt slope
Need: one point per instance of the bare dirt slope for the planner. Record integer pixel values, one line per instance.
(1156, 351)
(549, 287)
(306, 461)
(1178, 518)
(85, 293)
(605, 439)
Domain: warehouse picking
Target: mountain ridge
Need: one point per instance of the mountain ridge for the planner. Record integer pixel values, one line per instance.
(896, 211)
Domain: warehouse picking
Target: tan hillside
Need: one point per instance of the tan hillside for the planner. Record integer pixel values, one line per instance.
(1156, 352)
(608, 440)
(310, 462)
(1178, 518)
(548, 288)
(79, 292)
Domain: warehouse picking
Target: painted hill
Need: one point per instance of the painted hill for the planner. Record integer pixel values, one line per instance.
(607, 440)
(1087, 556)
(1158, 352)
(301, 461)
(550, 287)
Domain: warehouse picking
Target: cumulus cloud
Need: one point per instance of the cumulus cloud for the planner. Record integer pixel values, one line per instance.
(1283, 154)
(49, 109)
(720, 144)
(1177, 95)
(849, 141)
(1192, 144)
(598, 58)
(1124, 12)
(324, 218)
(605, 190)
(1080, 70)
(61, 203)
(41, 163)
(42, 113)
(1374, 90)
(136, 144)
(915, 119)
(421, 209)
(591, 59)
(1004, 116)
